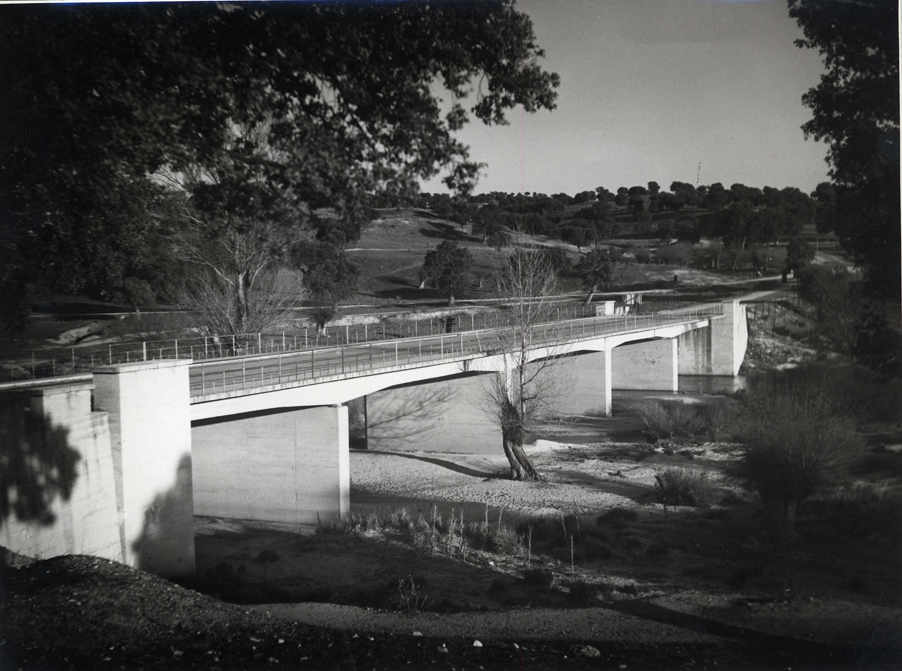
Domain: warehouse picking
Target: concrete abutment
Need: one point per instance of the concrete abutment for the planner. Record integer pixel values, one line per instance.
(148, 405)
(60, 492)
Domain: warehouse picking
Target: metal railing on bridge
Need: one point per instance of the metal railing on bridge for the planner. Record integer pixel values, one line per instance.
(84, 358)
(230, 376)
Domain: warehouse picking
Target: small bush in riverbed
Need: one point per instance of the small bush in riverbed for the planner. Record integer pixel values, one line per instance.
(596, 533)
(505, 540)
(684, 487)
(332, 528)
(411, 593)
(719, 416)
(400, 519)
(674, 421)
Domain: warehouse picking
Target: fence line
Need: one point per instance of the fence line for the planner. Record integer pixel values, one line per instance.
(84, 359)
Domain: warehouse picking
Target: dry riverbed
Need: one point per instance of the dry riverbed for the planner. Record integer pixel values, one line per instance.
(652, 574)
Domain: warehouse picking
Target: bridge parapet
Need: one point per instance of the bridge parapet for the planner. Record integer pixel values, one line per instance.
(225, 378)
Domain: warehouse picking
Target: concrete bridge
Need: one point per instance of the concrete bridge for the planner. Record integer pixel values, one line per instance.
(136, 450)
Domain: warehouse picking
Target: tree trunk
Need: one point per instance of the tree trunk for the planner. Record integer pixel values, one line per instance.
(450, 300)
(512, 437)
(588, 300)
(243, 290)
(521, 466)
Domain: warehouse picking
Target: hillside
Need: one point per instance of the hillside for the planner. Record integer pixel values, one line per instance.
(391, 250)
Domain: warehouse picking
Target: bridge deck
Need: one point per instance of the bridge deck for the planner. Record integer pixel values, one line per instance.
(240, 375)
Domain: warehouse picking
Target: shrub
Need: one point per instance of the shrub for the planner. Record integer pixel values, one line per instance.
(657, 550)
(332, 528)
(719, 416)
(505, 540)
(672, 420)
(400, 519)
(596, 534)
(149, 326)
(374, 522)
(719, 514)
(860, 509)
(498, 586)
(268, 556)
(793, 444)
(684, 487)
(411, 597)
(852, 391)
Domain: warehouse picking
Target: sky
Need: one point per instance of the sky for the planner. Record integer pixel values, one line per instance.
(697, 91)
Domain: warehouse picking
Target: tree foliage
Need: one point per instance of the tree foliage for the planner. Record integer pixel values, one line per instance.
(446, 268)
(596, 268)
(793, 441)
(878, 345)
(838, 300)
(855, 109)
(329, 276)
(798, 254)
(97, 99)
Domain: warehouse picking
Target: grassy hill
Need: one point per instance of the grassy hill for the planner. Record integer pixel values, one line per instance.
(391, 250)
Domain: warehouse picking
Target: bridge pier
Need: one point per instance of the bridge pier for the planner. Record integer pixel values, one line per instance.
(284, 465)
(718, 349)
(150, 434)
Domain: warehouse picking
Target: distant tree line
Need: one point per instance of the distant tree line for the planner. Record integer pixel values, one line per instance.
(744, 216)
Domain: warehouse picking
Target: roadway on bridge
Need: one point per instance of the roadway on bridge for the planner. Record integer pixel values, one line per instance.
(307, 366)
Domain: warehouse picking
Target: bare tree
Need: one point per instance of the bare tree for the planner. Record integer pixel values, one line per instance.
(238, 233)
(222, 307)
(525, 389)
